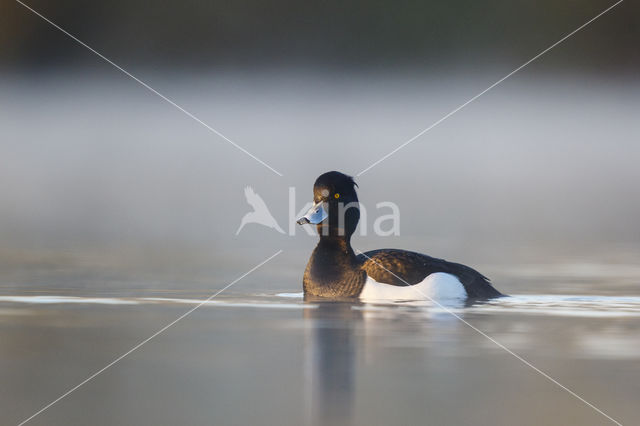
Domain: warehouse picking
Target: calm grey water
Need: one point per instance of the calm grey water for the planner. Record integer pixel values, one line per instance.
(119, 214)
(271, 358)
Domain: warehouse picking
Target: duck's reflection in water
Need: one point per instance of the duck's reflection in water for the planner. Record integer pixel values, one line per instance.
(337, 331)
(330, 362)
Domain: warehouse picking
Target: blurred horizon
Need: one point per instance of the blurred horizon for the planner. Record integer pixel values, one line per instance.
(357, 35)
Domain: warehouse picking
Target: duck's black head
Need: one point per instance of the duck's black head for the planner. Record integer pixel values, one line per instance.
(335, 205)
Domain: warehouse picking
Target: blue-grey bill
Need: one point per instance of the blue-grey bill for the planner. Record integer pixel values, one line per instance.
(315, 215)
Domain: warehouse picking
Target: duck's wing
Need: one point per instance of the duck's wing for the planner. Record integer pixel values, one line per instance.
(399, 267)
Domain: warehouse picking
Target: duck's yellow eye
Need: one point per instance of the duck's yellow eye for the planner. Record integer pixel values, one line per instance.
(336, 195)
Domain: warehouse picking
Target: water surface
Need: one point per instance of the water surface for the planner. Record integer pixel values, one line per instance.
(265, 358)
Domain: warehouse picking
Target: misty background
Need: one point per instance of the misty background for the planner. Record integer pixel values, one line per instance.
(103, 184)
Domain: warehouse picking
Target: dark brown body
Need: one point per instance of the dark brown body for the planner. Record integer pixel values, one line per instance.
(335, 271)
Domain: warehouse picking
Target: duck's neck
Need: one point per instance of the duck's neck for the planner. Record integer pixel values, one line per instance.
(333, 269)
(338, 246)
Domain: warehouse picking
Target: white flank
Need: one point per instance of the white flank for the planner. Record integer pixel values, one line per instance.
(437, 286)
